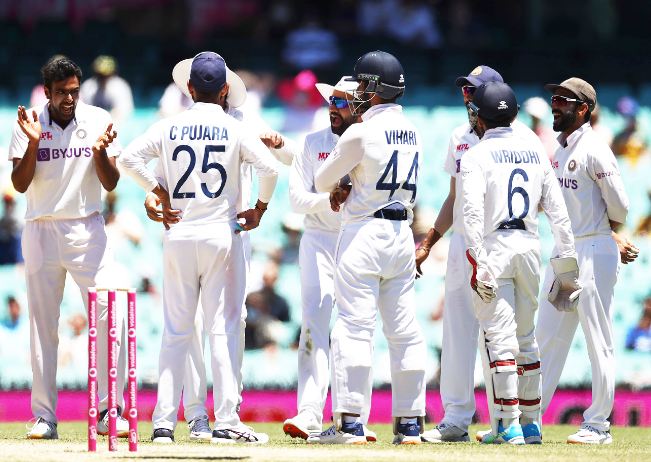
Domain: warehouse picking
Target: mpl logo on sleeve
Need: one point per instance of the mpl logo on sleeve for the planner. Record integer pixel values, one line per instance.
(43, 154)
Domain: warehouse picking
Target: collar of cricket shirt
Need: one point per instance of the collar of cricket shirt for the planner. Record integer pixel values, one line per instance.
(374, 110)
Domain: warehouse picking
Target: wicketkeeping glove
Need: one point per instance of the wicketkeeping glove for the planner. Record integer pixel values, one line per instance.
(481, 281)
(565, 290)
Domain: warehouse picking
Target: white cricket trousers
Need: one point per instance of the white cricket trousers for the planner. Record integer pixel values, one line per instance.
(195, 387)
(375, 272)
(460, 334)
(510, 356)
(50, 249)
(598, 268)
(202, 261)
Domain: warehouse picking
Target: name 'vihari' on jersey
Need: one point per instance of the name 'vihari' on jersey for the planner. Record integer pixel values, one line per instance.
(199, 132)
(504, 156)
(401, 137)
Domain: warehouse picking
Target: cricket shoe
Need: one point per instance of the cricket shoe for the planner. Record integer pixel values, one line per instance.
(512, 435)
(408, 433)
(121, 424)
(587, 434)
(241, 434)
(200, 429)
(371, 436)
(42, 430)
(531, 433)
(445, 433)
(162, 436)
(350, 433)
(302, 426)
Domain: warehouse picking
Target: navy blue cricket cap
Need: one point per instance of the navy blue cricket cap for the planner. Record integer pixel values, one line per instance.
(208, 72)
(496, 102)
(479, 75)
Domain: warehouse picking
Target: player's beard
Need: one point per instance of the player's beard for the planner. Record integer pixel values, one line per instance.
(339, 124)
(564, 120)
(64, 112)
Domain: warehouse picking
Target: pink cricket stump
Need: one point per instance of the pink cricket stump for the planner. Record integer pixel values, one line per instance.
(133, 381)
(92, 369)
(112, 373)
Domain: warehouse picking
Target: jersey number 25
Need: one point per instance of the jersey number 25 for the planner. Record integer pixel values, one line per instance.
(205, 167)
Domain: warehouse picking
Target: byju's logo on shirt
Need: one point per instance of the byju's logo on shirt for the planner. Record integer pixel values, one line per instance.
(43, 154)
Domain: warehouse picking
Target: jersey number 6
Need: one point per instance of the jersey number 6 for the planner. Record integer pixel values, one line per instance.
(518, 190)
(205, 167)
(392, 167)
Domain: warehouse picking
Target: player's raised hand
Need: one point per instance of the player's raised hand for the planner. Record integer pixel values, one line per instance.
(627, 251)
(251, 217)
(105, 139)
(339, 196)
(31, 127)
(272, 140)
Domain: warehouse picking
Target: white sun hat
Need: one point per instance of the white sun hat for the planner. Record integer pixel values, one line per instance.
(236, 91)
(537, 107)
(343, 86)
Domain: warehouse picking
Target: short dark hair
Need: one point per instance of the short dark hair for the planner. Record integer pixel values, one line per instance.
(497, 123)
(59, 68)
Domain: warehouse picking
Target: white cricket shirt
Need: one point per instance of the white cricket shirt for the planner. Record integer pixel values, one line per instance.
(505, 177)
(65, 183)
(590, 181)
(462, 139)
(302, 194)
(381, 155)
(201, 151)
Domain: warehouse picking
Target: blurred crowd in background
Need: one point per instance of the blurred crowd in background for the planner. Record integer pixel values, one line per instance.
(288, 47)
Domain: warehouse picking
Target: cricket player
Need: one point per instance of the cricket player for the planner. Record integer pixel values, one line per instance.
(63, 154)
(375, 265)
(597, 203)
(504, 180)
(317, 263)
(203, 251)
(459, 322)
(195, 387)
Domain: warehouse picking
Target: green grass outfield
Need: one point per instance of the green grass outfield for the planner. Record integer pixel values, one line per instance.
(630, 444)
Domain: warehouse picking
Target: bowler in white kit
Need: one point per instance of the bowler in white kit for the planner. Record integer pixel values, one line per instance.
(317, 263)
(201, 151)
(63, 154)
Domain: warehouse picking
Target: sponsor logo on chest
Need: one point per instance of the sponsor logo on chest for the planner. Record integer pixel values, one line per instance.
(47, 154)
(323, 155)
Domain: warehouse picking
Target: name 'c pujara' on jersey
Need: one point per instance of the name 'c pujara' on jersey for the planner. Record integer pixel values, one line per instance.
(199, 133)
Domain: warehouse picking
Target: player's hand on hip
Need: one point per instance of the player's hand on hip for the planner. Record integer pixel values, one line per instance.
(338, 196)
(272, 139)
(627, 251)
(30, 126)
(481, 280)
(153, 207)
(565, 290)
(170, 215)
(104, 140)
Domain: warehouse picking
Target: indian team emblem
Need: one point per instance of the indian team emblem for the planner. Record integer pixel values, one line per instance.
(476, 71)
(572, 165)
(81, 133)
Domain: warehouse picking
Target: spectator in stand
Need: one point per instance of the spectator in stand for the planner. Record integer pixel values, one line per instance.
(173, 101)
(630, 143)
(14, 319)
(265, 309)
(292, 228)
(644, 226)
(311, 46)
(10, 231)
(639, 336)
(600, 129)
(302, 100)
(108, 90)
(540, 113)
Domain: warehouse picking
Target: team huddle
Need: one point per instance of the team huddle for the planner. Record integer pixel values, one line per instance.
(357, 250)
